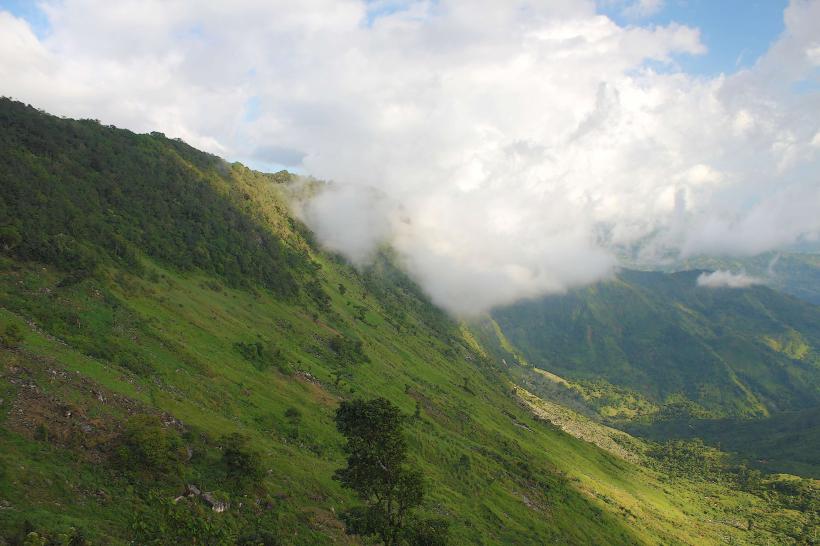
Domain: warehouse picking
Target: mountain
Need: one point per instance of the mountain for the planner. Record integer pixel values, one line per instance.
(174, 345)
(681, 348)
(794, 273)
(784, 442)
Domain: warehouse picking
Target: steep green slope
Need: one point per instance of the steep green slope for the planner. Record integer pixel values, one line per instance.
(688, 350)
(130, 352)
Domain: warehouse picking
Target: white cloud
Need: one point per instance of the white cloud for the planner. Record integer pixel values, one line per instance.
(505, 149)
(727, 279)
(634, 9)
(643, 8)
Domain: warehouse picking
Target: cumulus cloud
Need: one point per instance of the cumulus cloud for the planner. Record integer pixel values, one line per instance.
(504, 149)
(635, 9)
(644, 8)
(727, 279)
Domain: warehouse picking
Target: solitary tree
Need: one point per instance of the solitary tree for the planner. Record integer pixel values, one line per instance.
(376, 470)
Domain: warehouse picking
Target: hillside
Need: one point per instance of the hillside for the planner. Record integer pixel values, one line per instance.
(795, 273)
(682, 349)
(784, 442)
(155, 300)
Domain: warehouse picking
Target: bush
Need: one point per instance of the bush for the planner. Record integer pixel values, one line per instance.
(346, 353)
(150, 448)
(163, 521)
(11, 336)
(261, 355)
(293, 415)
(243, 465)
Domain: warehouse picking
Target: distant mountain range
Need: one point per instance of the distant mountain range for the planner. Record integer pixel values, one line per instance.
(724, 351)
(795, 273)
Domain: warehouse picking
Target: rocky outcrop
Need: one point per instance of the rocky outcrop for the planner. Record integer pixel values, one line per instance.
(207, 497)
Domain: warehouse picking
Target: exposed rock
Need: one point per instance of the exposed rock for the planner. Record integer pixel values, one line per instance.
(207, 497)
(191, 489)
(307, 376)
(216, 505)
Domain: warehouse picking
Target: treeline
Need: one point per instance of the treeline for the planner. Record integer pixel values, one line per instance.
(76, 194)
(694, 460)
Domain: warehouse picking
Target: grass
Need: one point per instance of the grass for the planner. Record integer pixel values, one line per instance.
(527, 481)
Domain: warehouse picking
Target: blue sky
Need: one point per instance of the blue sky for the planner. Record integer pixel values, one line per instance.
(28, 10)
(736, 32)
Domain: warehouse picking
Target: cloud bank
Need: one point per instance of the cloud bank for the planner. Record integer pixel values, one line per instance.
(727, 279)
(505, 149)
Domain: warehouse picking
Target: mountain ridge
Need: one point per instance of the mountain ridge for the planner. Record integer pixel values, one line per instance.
(671, 340)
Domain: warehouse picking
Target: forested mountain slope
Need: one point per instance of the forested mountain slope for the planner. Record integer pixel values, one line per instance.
(166, 322)
(688, 350)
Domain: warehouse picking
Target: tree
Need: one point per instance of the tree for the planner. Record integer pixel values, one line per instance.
(243, 464)
(149, 447)
(346, 353)
(377, 471)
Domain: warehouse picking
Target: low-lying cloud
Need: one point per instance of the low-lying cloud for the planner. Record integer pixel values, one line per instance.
(504, 149)
(727, 279)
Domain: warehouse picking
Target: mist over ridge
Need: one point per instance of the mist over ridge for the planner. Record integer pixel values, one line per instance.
(504, 152)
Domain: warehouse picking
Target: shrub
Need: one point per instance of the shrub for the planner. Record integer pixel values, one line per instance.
(243, 465)
(151, 448)
(261, 355)
(163, 521)
(11, 336)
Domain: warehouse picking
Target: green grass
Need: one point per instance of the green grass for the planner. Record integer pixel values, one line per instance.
(529, 483)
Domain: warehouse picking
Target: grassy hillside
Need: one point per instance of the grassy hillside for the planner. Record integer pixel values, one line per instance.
(155, 302)
(685, 350)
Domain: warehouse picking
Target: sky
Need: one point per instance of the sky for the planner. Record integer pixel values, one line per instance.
(504, 149)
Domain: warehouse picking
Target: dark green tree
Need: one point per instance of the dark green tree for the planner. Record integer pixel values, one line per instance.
(377, 471)
(148, 447)
(243, 465)
(346, 353)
